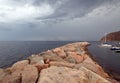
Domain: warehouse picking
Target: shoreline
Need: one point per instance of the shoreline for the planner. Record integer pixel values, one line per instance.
(73, 57)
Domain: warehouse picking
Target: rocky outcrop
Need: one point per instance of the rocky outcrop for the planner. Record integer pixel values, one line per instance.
(70, 63)
(114, 36)
(68, 75)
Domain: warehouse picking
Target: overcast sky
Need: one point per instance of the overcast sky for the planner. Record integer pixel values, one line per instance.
(58, 19)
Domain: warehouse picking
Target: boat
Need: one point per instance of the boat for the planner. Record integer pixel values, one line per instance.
(115, 48)
(117, 51)
(105, 44)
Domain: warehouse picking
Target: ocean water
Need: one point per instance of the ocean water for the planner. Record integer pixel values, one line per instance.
(11, 52)
(108, 59)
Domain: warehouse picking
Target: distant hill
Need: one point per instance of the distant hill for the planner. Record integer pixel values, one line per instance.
(114, 36)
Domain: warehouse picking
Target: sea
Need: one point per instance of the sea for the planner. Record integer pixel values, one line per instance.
(13, 51)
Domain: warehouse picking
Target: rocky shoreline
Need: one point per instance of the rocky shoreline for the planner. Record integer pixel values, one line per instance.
(70, 63)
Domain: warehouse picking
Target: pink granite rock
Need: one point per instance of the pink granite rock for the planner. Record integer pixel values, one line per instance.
(68, 75)
(40, 67)
(19, 65)
(59, 52)
(62, 64)
(14, 77)
(54, 66)
(77, 57)
(36, 59)
(29, 74)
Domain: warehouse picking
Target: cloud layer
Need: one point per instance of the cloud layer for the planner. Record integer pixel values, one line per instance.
(58, 19)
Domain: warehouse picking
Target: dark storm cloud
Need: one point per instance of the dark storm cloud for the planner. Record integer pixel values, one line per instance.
(72, 8)
(58, 19)
(51, 2)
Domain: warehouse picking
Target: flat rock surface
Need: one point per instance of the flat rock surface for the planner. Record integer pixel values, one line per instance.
(68, 75)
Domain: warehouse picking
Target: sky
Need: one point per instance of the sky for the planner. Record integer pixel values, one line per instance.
(58, 20)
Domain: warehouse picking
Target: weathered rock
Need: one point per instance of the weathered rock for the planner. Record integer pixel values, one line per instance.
(91, 65)
(61, 75)
(49, 52)
(40, 67)
(66, 64)
(29, 74)
(67, 75)
(77, 57)
(13, 74)
(93, 77)
(59, 52)
(62, 64)
(53, 58)
(12, 78)
(2, 74)
(70, 59)
(68, 48)
(19, 65)
(36, 60)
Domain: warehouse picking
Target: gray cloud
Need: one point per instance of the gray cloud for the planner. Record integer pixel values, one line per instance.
(73, 8)
(61, 20)
(4, 27)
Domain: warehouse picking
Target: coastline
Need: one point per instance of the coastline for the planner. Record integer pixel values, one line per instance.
(73, 58)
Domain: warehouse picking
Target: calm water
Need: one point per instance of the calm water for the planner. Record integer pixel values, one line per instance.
(110, 60)
(10, 52)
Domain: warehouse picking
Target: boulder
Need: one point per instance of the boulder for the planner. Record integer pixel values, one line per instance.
(49, 52)
(40, 67)
(70, 59)
(61, 75)
(77, 57)
(19, 65)
(2, 74)
(68, 75)
(29, 74)
(59, 52)
(49, 58)
(62, 64)
(14, 77)
(36, 60)
(68, 48)
(93, 77)
(93, 66)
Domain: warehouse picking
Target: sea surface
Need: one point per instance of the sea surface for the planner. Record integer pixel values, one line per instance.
(108, 59)
(13, 51)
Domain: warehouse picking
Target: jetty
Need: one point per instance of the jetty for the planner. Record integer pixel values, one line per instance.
(71, 63)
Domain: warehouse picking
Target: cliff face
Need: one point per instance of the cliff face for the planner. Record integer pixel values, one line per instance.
(67, 64)
(114, 36)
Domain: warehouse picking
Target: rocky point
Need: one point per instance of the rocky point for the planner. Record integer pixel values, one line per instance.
(70, 63)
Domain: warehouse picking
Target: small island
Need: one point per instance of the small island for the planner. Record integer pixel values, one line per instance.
(71, 63)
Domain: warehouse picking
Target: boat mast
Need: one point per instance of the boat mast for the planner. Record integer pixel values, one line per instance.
(105, 38)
